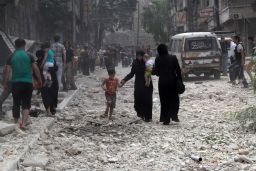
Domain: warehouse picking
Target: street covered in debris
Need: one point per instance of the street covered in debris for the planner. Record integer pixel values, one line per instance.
(127, 85)
(81, 140)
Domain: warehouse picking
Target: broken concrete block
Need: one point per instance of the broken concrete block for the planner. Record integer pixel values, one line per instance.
(6, 128)
(28, 169)
(36, 161)
(1, 159)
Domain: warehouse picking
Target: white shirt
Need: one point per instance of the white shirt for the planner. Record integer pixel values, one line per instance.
(232, 49)
(239, 48)
(150, 63)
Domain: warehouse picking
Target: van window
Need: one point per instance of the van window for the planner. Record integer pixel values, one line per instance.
(201, 44)
(179, 46)
(176, 45)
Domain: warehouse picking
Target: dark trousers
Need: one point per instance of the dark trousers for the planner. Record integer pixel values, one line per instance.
(237, 72)
(21, 93)
(70, 75)
(143, 102)
(170, 103)
(64, 78)
(92, 65)
(85, 68)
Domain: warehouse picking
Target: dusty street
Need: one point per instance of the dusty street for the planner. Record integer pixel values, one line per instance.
(81, 140)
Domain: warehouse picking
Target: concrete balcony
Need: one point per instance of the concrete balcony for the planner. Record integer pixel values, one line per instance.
(236, 12)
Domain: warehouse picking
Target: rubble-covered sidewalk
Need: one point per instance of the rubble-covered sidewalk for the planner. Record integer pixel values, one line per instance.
(81, 140)
(15, 143)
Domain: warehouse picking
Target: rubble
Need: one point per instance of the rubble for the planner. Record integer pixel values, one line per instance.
(37, 160)
(6, 128)
(243, 159)
(82, 140)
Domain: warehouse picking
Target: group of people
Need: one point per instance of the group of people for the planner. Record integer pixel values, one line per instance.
(237, 58)
(48, 72)
(166, 67)
(87, 60)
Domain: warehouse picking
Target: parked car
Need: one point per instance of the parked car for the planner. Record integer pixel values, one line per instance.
(198, 53)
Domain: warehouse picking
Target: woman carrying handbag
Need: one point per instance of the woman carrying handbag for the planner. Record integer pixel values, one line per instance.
(170, 84)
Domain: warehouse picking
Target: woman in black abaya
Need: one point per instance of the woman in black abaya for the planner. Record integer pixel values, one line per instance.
(169, 72)
(142, 93)
(49, 93)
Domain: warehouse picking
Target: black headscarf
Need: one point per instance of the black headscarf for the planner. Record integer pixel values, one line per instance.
(162, 50)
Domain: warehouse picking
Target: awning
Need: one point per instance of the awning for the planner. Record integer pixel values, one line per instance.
(6, 47)
(29, 43)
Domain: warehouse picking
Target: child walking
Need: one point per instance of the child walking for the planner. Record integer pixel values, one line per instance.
(110, 86)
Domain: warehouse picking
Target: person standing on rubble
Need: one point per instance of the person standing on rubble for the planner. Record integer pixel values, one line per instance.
(22, 66)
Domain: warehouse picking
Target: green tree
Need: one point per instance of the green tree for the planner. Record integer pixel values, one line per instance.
(111, 15)
(54, 13)
(156, 20)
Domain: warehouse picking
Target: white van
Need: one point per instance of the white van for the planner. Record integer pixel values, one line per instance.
(198, 53)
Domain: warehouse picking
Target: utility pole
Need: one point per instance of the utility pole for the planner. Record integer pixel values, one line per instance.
(73, 22)
(138, 26)
(217, 14)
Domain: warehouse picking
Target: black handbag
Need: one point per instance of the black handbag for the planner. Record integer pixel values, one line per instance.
(180, 86)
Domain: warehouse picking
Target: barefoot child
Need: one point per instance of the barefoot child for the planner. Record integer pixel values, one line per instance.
(110, 86)
(149, 66)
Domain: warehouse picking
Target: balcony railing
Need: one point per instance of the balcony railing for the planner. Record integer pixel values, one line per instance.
(237, 11)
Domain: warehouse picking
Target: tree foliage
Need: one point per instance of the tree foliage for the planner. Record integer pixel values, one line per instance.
(104, 15)
(111, 15)
(155, 20)
(54, 12)
(114, 14)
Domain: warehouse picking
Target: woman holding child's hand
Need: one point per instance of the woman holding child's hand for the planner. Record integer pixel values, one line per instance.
(142, 93)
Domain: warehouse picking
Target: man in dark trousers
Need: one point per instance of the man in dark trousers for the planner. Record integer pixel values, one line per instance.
(22, 66)
(109, 61)
(237, 67)
(168, 70)
(70, 83)
(224, 48)
(84, 62)
(92, 59)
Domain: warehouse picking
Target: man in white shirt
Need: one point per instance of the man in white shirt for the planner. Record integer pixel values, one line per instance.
(60, 57)
(232, 51)
(239, 62)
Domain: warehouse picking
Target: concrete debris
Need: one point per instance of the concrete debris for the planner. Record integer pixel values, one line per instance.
(6, 128)
(38, 160)
(82, 140)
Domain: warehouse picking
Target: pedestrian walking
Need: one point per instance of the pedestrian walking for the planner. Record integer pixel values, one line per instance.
(142, 93)
(22, 66)
(70, 83)
(232, 60)
(168, 70)
(249, 65)
(237, 68)
(224, 48)
(49, 93)
(110, 86)
(92, 59)
(60, 58)
(84, 61)
(109, 60)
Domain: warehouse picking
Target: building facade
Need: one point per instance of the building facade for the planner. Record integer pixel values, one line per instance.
(19, 18)
(238, 16)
